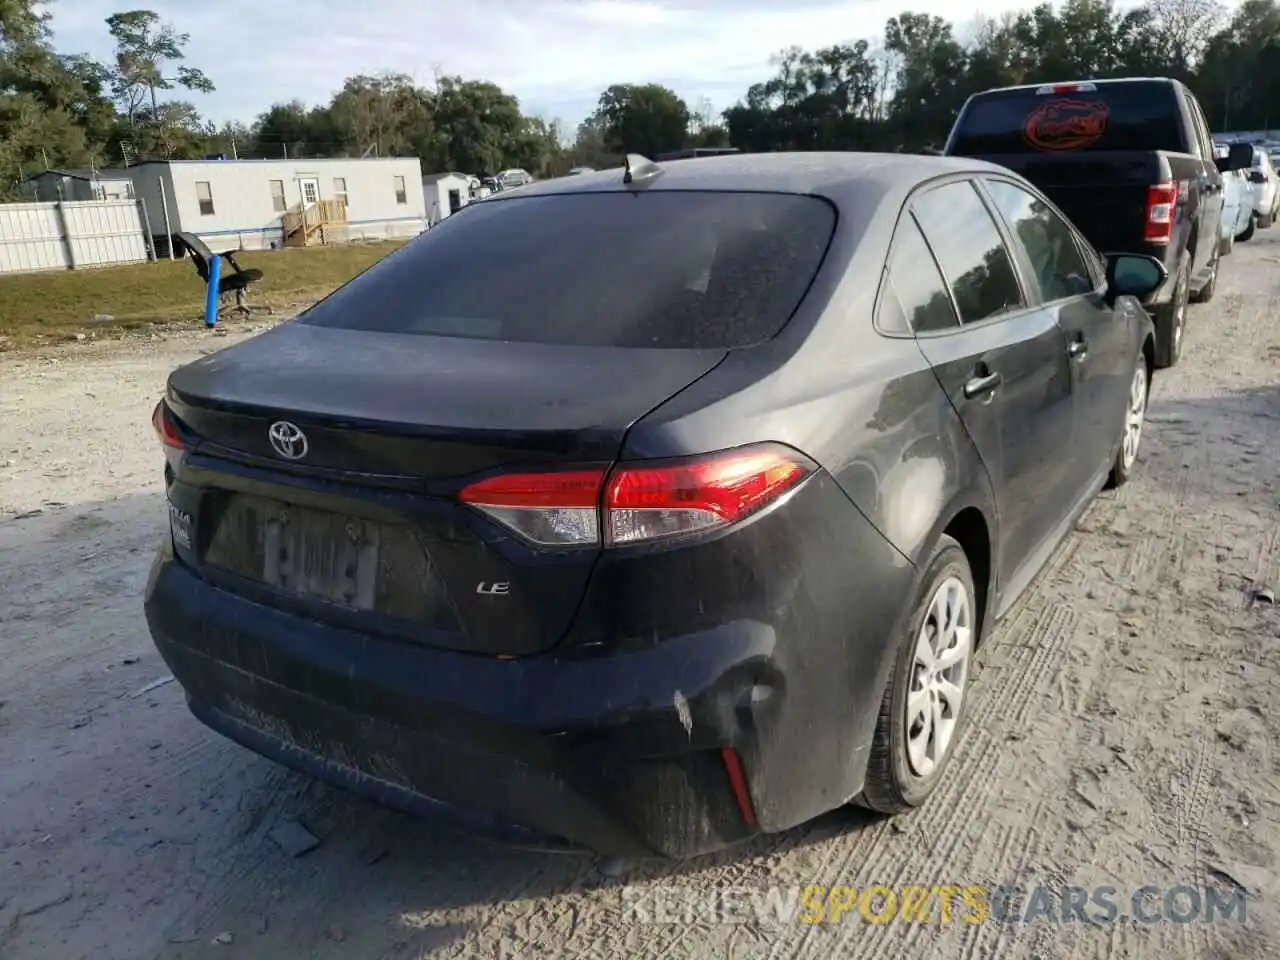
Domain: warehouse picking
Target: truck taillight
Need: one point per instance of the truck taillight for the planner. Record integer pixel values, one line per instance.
(1162, 198)
(640, 502)
(1056, 88)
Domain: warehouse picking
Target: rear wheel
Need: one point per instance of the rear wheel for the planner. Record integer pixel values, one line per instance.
(1247, 233)
(1135, 415)
(923, 709)
(1171, 320)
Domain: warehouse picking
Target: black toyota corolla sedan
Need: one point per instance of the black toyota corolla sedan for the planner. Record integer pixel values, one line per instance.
(683, 529)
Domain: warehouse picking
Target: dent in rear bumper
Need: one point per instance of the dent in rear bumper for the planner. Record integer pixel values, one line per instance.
(590, 752)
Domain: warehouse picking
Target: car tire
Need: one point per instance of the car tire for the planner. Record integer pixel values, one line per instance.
(1171, 320)
(1264, 222)
(903, 770)
(1205, 293)
(1247, 233)
(1135, 418)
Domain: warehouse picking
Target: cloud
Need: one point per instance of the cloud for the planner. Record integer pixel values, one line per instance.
(555, 55)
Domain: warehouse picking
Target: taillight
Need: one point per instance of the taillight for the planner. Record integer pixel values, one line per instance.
(639, 503)
(166, 431)
(655, 502)
(1056, 88)
(553, 509)
(1162, 198)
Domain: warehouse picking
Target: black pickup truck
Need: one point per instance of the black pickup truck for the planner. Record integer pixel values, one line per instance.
(1130, 162)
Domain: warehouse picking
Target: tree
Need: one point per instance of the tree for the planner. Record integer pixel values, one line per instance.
(479, 126)
(293, 130)
(1239, 78)
(146, 49)
(589, 148)
(23, 21)
(52, 108)
(646, 119)
(383, 115)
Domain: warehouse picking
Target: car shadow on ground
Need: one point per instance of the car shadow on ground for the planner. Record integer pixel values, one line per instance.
(428, 886)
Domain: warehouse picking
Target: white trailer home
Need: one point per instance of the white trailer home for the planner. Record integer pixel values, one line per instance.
(260, 204)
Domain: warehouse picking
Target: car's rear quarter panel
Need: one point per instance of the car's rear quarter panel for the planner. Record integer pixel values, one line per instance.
(842, 573)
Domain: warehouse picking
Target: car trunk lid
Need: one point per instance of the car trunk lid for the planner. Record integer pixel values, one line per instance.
(361, 525)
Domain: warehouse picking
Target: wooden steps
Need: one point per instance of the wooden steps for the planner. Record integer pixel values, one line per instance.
(322, 222)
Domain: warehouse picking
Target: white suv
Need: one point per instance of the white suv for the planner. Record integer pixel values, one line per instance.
(1266, 188)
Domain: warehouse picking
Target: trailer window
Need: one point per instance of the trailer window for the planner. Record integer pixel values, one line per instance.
(204, 196)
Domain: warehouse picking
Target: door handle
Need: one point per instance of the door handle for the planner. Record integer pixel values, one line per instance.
(1078, 349)
(982, 385)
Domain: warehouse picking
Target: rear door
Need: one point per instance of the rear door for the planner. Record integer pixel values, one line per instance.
(1071, 285)
(1003, 365)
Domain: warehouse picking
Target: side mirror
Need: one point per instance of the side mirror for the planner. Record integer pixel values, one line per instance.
(1133, 275)
(1239, 157)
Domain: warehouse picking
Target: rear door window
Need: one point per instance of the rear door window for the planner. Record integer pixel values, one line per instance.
(686, 269)
(1113, 116)
(970, 251)
(915, 295)
(1050, 244)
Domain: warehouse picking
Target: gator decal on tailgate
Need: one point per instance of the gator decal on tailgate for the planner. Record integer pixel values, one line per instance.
(1059, 125)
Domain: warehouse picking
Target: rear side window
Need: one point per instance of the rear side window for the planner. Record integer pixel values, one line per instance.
(916, 296)
(970, 250)
(1114, 116)
(657, 269)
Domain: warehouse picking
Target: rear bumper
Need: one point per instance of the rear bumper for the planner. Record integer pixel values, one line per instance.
(590, 753)
(774, 641)
(618, 754)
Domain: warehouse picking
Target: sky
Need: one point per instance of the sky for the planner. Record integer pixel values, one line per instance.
(554, 55)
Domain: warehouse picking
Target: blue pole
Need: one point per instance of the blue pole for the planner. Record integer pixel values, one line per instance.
(211, 298)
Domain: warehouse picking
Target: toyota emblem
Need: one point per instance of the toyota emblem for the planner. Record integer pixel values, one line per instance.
(288, 440)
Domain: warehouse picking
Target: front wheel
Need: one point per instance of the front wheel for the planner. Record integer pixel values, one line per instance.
(1247, 233)
(923, 708)
(1135, 416)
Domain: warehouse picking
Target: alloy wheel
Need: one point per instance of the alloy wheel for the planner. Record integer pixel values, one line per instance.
(938, 676)
(1135, 416)
(1180, 311)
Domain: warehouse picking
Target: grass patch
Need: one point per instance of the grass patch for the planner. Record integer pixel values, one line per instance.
(35, 307)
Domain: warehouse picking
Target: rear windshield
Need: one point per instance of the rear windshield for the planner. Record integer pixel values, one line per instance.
(665, 269)
(1119, 116)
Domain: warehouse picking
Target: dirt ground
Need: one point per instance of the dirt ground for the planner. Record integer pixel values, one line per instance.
(1124, 726)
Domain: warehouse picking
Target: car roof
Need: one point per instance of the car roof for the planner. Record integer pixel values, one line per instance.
(831, 175)
(1108, 82)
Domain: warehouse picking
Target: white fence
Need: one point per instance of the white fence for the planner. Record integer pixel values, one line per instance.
(68, 236)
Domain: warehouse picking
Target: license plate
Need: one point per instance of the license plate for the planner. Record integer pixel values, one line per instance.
(323, 555)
